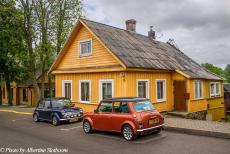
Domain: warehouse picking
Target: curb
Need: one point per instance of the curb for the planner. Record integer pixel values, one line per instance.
(198, 132)
(17, 112)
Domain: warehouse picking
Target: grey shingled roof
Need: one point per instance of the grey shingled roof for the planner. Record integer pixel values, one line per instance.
(227, 87)
(139, 51)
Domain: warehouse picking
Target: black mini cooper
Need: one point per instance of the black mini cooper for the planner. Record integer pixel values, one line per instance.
(57, 110)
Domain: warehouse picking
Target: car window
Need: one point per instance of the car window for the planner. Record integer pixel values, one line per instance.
(41, 105)
(143, 106)
(105, 107)
(120, 107)
(61, 103)
(47, 104)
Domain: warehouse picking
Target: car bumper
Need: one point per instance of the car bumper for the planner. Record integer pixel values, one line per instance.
(151, 128)
(71, 119)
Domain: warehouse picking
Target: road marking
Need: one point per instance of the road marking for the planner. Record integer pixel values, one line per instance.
(12, 111)
(67, 129)
(19, 119)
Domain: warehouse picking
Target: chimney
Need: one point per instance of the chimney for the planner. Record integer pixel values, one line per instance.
(131, 25)
(151, 33)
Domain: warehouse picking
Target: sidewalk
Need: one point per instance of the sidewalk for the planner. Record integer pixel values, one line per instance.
(19, 109)
(198, 127)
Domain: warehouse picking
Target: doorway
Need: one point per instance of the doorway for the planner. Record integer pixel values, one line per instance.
(179, 88)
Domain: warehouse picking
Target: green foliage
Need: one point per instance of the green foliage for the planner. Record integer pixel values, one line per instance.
(12, 46)
(214, 69)
(227, 73)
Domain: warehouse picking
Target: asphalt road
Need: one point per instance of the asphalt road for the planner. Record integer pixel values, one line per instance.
(19, 132)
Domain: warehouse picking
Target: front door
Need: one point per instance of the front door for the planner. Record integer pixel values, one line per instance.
(102, 119)
(179, 95)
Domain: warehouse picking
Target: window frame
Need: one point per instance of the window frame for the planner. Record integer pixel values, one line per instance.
(63, 88)
(164, 90)
(84, 81)
(147, 86)
(202, 90)
(100, 87)
(91, 46)
(215, 94)
(212, 94)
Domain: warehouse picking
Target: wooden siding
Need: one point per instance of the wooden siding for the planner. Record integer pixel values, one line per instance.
(123, 86)
(99, 57)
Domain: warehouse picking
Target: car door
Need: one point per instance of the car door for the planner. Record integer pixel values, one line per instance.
(121, 113)
(102, 119)
(47, 112)
(40, 109)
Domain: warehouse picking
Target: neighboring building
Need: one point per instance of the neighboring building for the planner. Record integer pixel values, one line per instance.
(23, 93)
(227, 96)
(100, 61)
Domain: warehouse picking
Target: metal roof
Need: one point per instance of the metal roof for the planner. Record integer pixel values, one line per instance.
(139, 51)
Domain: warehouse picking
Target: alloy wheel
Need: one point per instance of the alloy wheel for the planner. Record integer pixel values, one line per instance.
(87, 127)
(36, 118)
(128, 133)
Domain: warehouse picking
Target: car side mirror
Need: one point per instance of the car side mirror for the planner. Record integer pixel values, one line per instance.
(95, 111)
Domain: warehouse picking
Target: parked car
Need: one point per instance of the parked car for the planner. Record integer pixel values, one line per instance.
(130, 116)
(57, 110)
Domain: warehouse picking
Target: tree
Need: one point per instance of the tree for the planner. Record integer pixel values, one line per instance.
(214, 69)
(12, 48)
(227, 73)
(46, 25)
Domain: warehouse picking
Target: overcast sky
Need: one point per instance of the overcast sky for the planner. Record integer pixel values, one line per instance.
(200, 28)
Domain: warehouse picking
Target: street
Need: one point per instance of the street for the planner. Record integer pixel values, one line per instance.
(19, 131)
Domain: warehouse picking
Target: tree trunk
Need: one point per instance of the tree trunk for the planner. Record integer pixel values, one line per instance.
(37, 92)
(9, 93)
(50, 85)
(0, 95)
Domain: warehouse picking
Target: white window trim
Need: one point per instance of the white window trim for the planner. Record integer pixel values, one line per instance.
(147, 87)
(196, 98)
(219, 87)
(100, 87)
(79, 92)
(79, 45)
(63, 87)
(164, 90)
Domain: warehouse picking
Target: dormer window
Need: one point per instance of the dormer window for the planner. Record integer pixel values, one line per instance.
(85, 47)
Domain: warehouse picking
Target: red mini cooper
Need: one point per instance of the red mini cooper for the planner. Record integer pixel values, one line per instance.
(130, 116)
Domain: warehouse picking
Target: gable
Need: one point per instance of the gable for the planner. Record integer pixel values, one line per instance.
(72, 60)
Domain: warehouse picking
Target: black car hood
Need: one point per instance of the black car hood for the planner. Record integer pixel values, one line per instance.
(67, 109)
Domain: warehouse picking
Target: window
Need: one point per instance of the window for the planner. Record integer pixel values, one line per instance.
(215, 89)
(47, 105)
(143, 88)
(84, 91)
(140, 106)
(41, 104)
(105, 107)
(25, 94)
(212, 89)
(67, 89)
(198, 89)
(120, 107)
(106, 89)
(85, 47)
(161, 90)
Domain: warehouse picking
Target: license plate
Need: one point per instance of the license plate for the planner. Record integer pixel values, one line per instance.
(153, 121)
(73, 120)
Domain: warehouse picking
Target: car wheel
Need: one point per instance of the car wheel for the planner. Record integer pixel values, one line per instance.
(87, 127)
(36, 118)
(128, 133)
(55, 121)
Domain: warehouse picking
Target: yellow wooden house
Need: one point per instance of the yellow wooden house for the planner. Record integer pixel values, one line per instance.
(100, 61)
(24, 93)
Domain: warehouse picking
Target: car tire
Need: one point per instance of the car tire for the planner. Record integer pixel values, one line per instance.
(36, 118)
(55, 121)
(128, 133)
(87, 127)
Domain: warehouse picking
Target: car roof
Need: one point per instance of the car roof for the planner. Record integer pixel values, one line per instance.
(55, 98)
(124, 99)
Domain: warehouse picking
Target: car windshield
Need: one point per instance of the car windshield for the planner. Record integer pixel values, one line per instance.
(143, 106)
(61, 103)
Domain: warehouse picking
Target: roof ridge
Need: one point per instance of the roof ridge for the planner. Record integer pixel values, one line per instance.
(135, 33)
